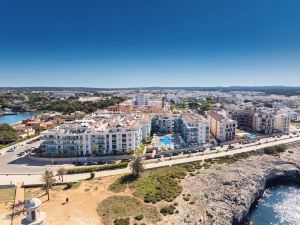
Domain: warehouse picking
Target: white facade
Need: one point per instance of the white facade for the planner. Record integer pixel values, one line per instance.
(98, 137)
(141, 98)
(32, 211)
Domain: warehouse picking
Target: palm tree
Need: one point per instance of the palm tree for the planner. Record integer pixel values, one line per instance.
(48, 178)
(61, 171)
(136, 166)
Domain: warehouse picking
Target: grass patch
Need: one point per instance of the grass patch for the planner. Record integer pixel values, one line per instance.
(116, 207)
(7, 194)
(157, 184)
(122, 221)
(121, 183)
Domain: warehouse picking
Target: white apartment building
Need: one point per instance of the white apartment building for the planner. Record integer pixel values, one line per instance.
(194, 129)
(222, 128)
(104, 134)
(141, 98)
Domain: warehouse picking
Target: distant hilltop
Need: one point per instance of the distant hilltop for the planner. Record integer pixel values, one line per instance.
(280, 90)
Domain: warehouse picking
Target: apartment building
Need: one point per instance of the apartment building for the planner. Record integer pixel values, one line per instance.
(141, 98)
(194, 129)
(222, 128)
(98, 135)
(163, 123)
(115, 133)
(264, 122)
(244, 118)
(282, 122)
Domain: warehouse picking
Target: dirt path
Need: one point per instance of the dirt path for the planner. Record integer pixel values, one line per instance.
(18, 205)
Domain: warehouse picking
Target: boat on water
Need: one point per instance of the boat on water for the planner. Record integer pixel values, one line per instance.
(10, 113)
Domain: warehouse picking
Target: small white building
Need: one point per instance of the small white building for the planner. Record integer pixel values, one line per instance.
(33, 214)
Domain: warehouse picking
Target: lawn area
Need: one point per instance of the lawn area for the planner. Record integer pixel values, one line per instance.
(7, 194)
(122, 207)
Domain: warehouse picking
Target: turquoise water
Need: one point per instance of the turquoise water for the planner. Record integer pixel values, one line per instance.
(280, 205)
(250, 135)
(10, 119)
(166, 140)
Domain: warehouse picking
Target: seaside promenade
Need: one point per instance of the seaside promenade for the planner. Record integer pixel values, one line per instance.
(219, 152)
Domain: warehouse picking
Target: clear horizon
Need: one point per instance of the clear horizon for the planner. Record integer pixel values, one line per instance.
(121, 44)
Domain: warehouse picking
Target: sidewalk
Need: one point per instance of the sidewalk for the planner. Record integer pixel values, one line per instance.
(18, 206)
(36, 179)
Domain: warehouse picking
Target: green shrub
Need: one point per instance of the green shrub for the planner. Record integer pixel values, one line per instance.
(87, 169)
(69, 185)
(168, 210)
(122, 221)
(139, 217)
(92, 175)
(121, 183)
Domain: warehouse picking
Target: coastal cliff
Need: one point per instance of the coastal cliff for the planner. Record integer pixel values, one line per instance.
(224, 193)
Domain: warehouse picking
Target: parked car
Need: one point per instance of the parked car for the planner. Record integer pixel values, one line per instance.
(111, 161)
(157, 156)
(166, 155)
(148, 157)
(90, 163)
(175, 153)
(126, 160)
(212, 148)
(11, 150)
(78, 163)
(187, 152)
(101, 162)
(195, 151)
(201, 149)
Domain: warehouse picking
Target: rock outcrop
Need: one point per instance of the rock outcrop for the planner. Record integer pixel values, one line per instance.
(223, 194)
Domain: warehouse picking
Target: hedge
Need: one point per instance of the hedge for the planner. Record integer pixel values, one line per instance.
(87, 169)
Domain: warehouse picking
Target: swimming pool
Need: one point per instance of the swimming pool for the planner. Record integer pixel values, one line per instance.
(166, 140)
(250, 136)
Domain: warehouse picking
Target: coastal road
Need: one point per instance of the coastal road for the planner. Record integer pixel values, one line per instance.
(32, 174)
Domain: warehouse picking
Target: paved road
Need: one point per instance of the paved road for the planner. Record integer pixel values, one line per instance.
(35, 171)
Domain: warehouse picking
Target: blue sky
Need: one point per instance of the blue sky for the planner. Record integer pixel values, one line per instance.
(136, 43)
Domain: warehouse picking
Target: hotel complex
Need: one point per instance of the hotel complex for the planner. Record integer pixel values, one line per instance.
(107, 133)
(118, 133)
(121, 129)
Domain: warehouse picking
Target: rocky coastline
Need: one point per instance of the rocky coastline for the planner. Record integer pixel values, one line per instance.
(224, 193)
